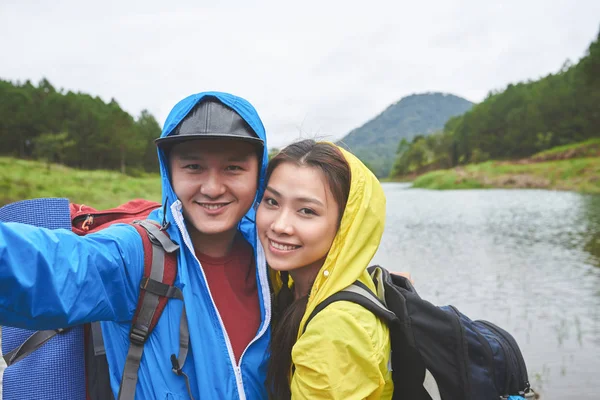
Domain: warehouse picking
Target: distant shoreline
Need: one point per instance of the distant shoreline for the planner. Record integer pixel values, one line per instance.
(571, 168)
(582, 176)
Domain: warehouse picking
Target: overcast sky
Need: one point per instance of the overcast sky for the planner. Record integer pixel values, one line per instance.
(311, 68)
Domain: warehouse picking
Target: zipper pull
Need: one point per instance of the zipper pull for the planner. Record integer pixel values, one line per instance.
(178, 370)
(89, 221)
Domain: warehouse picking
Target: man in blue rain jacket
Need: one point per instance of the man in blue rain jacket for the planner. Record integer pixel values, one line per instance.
(213, 156)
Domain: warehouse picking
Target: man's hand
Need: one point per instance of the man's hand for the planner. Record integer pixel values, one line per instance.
(404, 274)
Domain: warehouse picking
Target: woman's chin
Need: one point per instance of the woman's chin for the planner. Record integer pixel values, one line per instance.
(278, 266)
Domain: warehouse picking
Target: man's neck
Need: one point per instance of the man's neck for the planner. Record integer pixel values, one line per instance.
(216, 246)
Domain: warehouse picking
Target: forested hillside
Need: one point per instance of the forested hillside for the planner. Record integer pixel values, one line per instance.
(420, 114)
(523, 119)
(74, 129)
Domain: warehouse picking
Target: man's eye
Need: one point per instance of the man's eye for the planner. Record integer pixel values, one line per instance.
(234, 168)
(194, 167)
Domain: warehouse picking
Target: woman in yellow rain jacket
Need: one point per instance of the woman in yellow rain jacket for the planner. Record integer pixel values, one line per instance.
(320, 223)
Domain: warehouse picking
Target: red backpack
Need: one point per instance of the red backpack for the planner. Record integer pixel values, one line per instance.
(156, 288)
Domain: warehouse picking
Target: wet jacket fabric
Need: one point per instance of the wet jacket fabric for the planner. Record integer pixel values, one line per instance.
(51, 279)
(345, 351)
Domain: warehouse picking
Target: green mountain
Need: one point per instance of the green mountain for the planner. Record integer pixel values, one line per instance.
(559, 109)
(375, 142)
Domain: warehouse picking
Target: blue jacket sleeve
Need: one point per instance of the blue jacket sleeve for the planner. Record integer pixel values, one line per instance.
(54, 278)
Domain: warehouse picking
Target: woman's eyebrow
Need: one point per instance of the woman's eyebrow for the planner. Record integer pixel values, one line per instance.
(275, 192)
(299, 199)
(310, 200)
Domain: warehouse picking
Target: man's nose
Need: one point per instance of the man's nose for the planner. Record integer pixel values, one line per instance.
(213, 186)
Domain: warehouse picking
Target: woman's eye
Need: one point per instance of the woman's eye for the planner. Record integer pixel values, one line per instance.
(307, 211)
(270, 201)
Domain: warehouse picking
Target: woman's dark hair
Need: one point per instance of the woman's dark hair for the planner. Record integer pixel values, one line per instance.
(287, 312)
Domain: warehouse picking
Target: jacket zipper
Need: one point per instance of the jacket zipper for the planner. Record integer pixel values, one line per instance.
(465, 373)
(518, 355)
(92, 215)
(515, 356)
(236, 367)
(507, 377)
(262, 273)
(237, 371)
(108, 212)
(489, 353)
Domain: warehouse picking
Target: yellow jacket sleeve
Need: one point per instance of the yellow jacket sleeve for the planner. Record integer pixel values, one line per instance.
(342, 355)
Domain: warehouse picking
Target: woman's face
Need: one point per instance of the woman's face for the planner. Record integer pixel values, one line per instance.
(297, 219)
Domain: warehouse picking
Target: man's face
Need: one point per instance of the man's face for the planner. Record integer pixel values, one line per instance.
(216, 181)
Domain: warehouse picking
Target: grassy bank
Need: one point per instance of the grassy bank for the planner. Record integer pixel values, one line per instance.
(589, 148)
(23, 179)
(574, 167)
(581, 175)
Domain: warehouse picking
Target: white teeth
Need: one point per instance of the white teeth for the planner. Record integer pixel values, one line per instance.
(212, 206)
(280, 246)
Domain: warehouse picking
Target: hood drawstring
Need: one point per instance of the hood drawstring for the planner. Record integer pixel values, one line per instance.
(165, 224)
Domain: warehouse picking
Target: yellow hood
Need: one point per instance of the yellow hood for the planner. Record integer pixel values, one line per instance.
(357, 239)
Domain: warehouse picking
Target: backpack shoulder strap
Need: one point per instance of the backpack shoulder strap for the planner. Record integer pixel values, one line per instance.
(360, 294)
(156, 288)
(31, 344)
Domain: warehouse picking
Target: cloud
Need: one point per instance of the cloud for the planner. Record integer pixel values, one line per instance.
(313, 68)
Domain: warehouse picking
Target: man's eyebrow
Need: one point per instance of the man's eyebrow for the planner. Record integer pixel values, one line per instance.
(195, 156)
(299, 199)
(189, 156)
(239, 157)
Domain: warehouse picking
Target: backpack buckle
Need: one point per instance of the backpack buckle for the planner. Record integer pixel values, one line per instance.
(138, 334)
(176, 368)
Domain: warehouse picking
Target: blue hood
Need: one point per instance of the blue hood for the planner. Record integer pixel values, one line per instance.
(209, 347)
(100, 281)
(178, 113)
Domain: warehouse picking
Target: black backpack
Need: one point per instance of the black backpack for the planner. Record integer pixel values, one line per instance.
(437, 352)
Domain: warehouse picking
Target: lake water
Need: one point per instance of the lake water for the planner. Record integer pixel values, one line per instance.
(528, 260)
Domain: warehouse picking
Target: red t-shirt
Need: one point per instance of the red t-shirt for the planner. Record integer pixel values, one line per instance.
(232, 283)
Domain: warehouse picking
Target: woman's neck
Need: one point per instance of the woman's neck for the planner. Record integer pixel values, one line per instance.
(304, 278)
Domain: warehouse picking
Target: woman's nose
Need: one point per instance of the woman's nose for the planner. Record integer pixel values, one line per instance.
(282, 224)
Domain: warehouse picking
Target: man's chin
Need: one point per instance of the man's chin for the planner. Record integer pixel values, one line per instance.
(215, 229)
